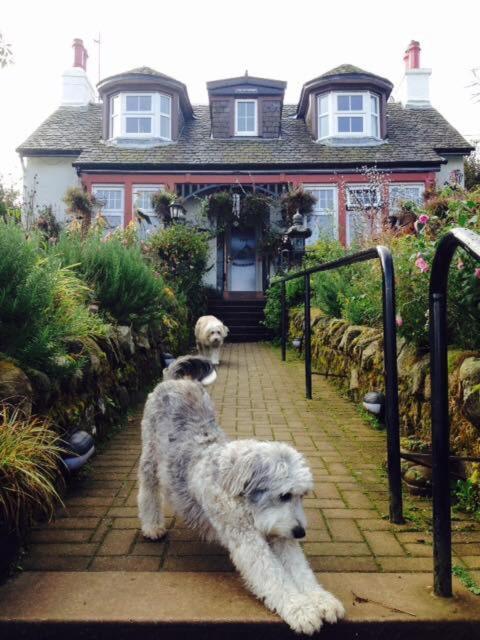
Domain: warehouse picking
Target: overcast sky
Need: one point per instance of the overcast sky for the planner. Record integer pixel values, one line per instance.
(197, 41)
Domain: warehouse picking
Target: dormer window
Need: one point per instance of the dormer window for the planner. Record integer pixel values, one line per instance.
(141, 115)
(348, 114)
(246, 120)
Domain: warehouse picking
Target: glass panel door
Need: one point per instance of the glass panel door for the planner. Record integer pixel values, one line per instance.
(241, 260)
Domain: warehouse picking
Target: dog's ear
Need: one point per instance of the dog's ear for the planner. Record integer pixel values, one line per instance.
(245, 474)
(225, 330)
(193, 367)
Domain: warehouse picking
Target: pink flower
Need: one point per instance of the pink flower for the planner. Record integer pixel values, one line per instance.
(460, 264)
(398, 320)
(477, 273)
(423, 219)
(422, 264)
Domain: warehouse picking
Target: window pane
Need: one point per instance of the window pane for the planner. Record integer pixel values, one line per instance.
(115, 104)
(323, 126)
(356, 103)
(323, 104)
(165, 127)
(322, 226)
(165, 104)
(375, 126)
(139, 125)
(343, 103)
(113, 221)
(132, 103)
(145, 103)
(356, 125)
(111, 199)
(374, 104)
(343, 124)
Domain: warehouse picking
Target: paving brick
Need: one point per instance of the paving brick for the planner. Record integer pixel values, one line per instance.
(344, 530)
(60, 535)
(48, 563)
(342, 564)
(405, 564)
(156, 549)
(122, 563)
(418, 549)
(63, 549)
(117, 542)
(383, 543)
(198, 563)
(336, 549)
(356, 500)
(75, 523)
(355, 514)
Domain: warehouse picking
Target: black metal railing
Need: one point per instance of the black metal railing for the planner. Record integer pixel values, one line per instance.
(442, 526)
(389, 350)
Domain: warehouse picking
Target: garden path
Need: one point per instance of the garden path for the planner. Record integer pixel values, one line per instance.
(256, 396)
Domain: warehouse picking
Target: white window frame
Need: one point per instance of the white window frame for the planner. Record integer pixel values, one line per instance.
(253, 132)
(120, 212)
(403, 185)
(317, 211)
(155, 115)
(352, 207)
(146, 188)
(362, 186)
(333, 114)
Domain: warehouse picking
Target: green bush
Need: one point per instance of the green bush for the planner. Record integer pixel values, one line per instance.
(42, 305)
(123, 284)
(180, 254)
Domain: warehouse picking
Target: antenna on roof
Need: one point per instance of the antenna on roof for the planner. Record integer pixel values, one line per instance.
(99, 43)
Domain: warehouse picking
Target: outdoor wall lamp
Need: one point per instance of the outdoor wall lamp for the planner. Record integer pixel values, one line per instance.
(177, 212)
(297, 234)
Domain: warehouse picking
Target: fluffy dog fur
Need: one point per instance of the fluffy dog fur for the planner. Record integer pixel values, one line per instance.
(246, 495)
(210, 332)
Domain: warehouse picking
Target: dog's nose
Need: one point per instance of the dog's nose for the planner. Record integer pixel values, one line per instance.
(298, 532)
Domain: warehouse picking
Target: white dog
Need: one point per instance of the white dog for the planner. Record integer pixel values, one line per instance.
(246, 495)
(210, 333)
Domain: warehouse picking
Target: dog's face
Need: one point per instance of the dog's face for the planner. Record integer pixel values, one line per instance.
(215, 335)
(272, 478)
(278, 516)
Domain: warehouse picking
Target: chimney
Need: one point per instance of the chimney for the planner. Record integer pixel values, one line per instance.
(80, 54)
(77, 89)
(417, 93)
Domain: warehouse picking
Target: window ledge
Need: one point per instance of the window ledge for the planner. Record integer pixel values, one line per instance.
(138, 143)
(358, 141)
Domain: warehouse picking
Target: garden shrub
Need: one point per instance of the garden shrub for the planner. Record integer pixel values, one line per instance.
(42, 305)
(123, 284)
(180, 254)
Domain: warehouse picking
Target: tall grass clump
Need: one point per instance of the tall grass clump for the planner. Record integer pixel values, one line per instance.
(42, 305)
(30, 455)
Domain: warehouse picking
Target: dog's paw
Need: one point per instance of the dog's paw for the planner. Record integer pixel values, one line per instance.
(302, 614)
(328, 606)
(154, 532)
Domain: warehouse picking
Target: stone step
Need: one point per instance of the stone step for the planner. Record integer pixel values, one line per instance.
(214, 606)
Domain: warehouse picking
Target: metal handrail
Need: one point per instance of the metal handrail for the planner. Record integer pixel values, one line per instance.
(442, 525)
(389, 351)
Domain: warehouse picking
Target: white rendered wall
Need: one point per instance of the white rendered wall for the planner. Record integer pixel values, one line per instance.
(49, 178)
(455, 163)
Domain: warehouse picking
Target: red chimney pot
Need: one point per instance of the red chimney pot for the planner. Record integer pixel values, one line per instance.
(412, 56)
(80, 54)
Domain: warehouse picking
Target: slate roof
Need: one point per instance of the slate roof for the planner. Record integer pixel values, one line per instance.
(413, 137)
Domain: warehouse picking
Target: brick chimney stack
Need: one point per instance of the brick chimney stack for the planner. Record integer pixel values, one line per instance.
(416, 81)
(80, 54)
(77, 89)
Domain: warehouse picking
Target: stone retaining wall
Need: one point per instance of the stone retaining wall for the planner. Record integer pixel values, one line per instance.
(353, 356)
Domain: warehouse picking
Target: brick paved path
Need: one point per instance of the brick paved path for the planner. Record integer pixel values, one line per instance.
(255, 395)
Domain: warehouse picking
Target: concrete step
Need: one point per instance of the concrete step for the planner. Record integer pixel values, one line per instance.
(173, 605)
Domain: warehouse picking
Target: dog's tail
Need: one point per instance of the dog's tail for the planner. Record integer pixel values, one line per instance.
(193, 368)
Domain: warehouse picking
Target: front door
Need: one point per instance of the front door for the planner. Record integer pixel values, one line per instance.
(242, 259)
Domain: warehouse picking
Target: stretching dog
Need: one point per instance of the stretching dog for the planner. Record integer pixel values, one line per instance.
(245, 494)
(210, 332)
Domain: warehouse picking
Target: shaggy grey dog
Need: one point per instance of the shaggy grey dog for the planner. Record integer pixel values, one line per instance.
(244, 494)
